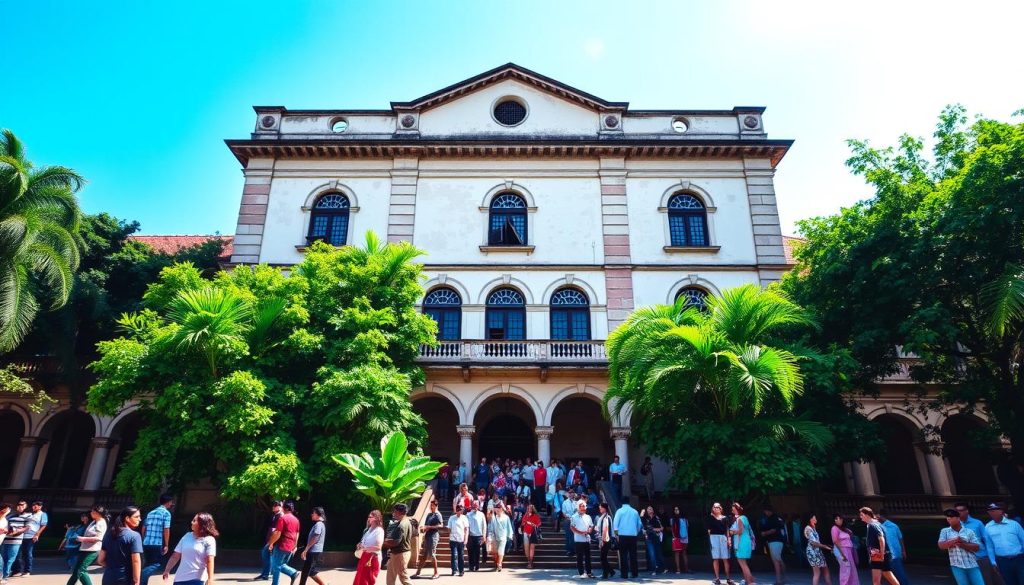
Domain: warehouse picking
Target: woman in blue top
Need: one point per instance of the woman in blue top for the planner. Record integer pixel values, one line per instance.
(121, 552)
(742, 541)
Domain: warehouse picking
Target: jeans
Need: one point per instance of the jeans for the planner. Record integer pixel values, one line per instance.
(899, 571)
(628, 564)
(71, 557)
(153, 562)
(569, 548)
(1012, 570)
(583, 557)
(279, 564)
(23, 563)
(970, 576)
(265, 557)
(81, 570)
(474, 552)
(458, 562)
(654, 555)
(10, 552)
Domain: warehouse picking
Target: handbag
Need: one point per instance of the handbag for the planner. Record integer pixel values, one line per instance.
(875, 555)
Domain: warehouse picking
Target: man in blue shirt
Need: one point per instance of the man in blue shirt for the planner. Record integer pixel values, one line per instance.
(483, 475)
(617, 471)
(627, 526)
(978, 527)
(1006, 550)
(894, 541)
(156, 535)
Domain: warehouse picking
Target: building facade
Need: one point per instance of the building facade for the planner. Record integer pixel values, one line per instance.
(548, 215)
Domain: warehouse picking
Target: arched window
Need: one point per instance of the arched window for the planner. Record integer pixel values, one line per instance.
(694, 297)
(687, 221)
(508, 220)
(445, 306)
(329, 221)
(506, 315)
(570, 315)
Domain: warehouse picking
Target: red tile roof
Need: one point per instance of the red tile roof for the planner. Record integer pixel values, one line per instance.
(171, 244)
(788, 243)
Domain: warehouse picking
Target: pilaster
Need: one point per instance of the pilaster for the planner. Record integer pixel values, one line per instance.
(252, 215)
(402, 208)
(764, 217)
(615, 231)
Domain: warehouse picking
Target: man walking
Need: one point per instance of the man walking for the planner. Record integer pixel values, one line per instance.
(582, 525)
(568, 509)
(17, 525)
(399, 544)
(627, 526)
(275, 513)
(961, 543)
(540, 485)
(894, 541)
(431, 531)
(1007, 550)
(282, 543)
(156, 534)
(477, 530)
(772, 528)
(37, 521)
(617, 470)
(458, 535)
(978, 527)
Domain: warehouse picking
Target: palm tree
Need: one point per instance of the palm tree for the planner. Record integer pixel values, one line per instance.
(39, 242)
(716, 364)
(209, 321)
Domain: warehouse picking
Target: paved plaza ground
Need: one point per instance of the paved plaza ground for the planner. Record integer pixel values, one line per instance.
(49, 571)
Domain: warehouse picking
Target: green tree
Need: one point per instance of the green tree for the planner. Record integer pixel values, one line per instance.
(396, 476)
(713, 393)
(39, 242)
(255, 378)
(914, 266)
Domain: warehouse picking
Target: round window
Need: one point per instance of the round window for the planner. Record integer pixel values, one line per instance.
(509, 112)
(679, 125)
(339, 125)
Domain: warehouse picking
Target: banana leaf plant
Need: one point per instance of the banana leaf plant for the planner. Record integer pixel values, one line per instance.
(396, 476)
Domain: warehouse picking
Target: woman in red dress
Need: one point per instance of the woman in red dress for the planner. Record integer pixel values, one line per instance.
(368, 550)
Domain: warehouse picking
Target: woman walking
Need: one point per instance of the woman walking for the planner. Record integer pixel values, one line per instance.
(121, 550)
(195, 552)
(502, 530)
(680, 539)
(742, 541)
(652, 536)
(368, 550)
(531, 533)
(842, 543)
(70, 543)
(718, 529)
(879, 553)
(814, 547)
(92, 542)
(314, 551)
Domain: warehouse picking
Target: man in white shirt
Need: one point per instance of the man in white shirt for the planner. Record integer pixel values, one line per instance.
(554, 472)
(477, 530)
(582, 525)
(458, 535)
(568, 509)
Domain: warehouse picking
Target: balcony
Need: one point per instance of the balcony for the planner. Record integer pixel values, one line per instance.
(532, 352)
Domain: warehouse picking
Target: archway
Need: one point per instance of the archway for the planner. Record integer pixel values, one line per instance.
(70, 436)
(899, 471)
(12, 429)
(442, 420)
(126, 433)
(581, 432)
(506, 427)
(970, 461)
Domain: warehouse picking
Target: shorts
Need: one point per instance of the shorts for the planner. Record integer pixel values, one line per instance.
(719, 547)
(314, 559)
(775, 550)
(430, 547)
(883, 565)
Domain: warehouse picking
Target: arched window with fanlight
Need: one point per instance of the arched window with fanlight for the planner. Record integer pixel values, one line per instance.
(329, 220)
(444, 306)
(507, 225)
(693, 296)
(506, 314)
(570, 315)
(687, 221)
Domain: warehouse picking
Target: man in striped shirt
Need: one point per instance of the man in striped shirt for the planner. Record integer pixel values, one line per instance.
(17, 525)
(156, 534)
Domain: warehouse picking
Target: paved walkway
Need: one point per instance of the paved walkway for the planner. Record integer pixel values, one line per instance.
(50, 572)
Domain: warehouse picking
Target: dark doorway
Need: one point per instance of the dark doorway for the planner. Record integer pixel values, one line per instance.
(970, 459)
(506, 436)
(12, 428)
(899, 472)
(70, 440)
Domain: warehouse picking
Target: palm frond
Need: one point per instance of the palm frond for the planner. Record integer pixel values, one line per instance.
(18, 306)
(1002, 300)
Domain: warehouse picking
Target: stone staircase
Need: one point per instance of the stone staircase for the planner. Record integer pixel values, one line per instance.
(549, 554)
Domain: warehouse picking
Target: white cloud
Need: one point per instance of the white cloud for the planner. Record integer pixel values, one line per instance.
(594, 48)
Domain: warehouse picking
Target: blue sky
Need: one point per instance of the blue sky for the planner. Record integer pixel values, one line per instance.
(138, 96)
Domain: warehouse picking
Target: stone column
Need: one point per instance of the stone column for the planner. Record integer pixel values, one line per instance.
(98, 465)
(938, 474)
(28, 456)
(621, 437)
(466, 433)
(862, 480)
(544, 444)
